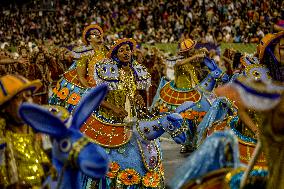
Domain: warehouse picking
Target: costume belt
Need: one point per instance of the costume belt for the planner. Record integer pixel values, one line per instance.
(107, 134)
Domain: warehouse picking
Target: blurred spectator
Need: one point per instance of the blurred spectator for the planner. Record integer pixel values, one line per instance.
(146, 21)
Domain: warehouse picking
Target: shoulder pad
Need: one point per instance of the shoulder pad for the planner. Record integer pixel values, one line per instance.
(141, 71)
(107, 70)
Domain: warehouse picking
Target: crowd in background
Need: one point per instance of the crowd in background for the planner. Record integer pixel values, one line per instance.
(43, 27)
(60, 22)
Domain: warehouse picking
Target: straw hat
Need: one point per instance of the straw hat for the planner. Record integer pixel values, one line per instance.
(88, 29)
(186, 45)
(11, 85)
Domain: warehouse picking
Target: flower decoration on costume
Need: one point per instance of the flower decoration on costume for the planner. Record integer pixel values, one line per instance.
(74, 99)
(63, 93)
(193, 115)
(55, 90)
(151, 179)
(113, 169)
(129, 177)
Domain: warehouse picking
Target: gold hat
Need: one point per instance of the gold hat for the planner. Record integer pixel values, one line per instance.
(113, 50)
(88, 29)
(11, 85)
(186, 45)
(266, 41)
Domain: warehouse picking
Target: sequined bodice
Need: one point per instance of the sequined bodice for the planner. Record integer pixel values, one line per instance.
(28, 157)
(98, 55)
(126, 90)
(185, 76)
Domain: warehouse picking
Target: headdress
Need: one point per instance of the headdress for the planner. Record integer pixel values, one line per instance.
(186, 45)
(11, 85)
(113, 49)
(266, 41)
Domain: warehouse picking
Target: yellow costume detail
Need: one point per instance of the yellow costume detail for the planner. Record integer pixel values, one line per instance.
(185, 76)
(28, 158)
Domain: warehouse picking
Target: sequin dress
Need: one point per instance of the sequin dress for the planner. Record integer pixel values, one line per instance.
(134, 163)
(24, 160)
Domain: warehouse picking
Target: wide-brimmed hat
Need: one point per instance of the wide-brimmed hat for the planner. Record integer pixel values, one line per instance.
(88, 29)
(266, 41)
(11, 85)
(186, 45)
(113, 50)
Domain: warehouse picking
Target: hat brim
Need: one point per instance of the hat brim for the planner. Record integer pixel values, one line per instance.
(30, 86)
(119, 43)
(189, 48)
(89, 28)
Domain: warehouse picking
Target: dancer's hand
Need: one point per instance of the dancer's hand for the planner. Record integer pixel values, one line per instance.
(119, 112)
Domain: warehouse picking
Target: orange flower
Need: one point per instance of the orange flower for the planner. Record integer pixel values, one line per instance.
(151, 179)
(201, 116)
(113, 169)
(129, 177)
(55, 90)
(111, 175)
(74, 99)
(63, 93)
(187, 115)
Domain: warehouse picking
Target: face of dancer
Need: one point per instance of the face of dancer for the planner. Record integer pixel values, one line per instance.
(15, 103)
(95, 37)
(124, 53)
(279, 51)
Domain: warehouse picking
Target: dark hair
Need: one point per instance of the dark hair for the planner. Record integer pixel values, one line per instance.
(236, 60)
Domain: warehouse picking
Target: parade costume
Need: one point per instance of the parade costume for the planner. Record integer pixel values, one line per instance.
(251, 92)
(270, 95)
(219, 151)
(224, 111)
(272, 138)
(133, 164)
(73, 154)
(134, 152)
(187, 87)
(70, 88)
(24, 157)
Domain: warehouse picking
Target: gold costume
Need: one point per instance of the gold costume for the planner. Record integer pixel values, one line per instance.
(23, 158)
(89, 61)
